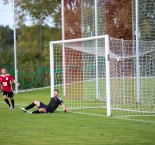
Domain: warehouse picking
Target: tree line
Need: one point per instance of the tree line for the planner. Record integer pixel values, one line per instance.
(32, 52)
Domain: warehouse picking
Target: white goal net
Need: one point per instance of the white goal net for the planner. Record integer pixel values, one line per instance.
(94, 73)
(132, 93)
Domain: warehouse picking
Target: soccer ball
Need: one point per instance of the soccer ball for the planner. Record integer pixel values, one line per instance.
(119, 58)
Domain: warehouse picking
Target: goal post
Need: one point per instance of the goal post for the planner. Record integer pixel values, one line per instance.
(84, 64)
(51, 68)
(107, 60)
(103, 76)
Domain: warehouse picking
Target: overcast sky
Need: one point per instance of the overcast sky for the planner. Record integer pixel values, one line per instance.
(6, 14)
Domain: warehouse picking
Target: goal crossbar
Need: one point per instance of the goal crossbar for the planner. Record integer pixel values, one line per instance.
(79, 39)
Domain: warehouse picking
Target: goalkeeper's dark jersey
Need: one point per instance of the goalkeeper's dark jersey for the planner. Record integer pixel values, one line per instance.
(54, 103)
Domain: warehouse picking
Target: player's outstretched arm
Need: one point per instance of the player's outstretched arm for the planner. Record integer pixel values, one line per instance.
(64, 108)
(16, 83)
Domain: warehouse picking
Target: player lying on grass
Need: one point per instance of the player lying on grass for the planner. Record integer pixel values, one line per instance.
(50, 108)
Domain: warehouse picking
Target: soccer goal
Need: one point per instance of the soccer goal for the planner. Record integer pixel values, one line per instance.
(98, 72)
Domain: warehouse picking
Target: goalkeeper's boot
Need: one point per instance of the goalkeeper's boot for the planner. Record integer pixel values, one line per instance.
(24, 110)
(28, 112)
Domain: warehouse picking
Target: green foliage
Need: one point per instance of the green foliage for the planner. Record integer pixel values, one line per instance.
(38, 78)
(34, 41)
(33, 54)
(41, 12)
(6, 46)
(6, 38)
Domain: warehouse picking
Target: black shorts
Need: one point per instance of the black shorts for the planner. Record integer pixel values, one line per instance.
(42, 105)
(8, 94)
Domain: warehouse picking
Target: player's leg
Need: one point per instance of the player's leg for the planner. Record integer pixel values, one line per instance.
(42, 108)
(5, 98)
(35, 103)
(10, 95)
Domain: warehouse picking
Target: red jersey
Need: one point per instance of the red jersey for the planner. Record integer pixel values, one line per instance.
(5, 82)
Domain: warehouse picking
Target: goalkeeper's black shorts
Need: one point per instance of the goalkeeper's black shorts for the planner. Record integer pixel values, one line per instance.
(42, 105)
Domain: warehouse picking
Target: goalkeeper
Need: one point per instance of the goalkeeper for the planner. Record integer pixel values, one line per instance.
(50, 108)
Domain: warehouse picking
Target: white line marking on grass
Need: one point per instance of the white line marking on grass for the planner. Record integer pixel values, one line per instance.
(89, 114)
(16, 104)
(121, 118)
(99, 115)
(19, 105)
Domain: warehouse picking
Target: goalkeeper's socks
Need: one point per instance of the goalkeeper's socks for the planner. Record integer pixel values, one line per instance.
(30, 106)
(37, 111)
(13, 102)
(7, 102)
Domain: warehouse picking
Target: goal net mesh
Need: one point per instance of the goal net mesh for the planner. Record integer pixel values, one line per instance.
(80, 73)
(85, 83)
(124, 81)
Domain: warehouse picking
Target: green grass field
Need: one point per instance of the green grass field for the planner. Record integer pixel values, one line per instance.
(72, 128)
